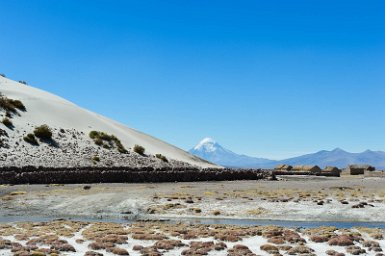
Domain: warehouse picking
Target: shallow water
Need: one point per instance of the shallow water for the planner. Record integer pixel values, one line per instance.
(206, 221)
(286, 223)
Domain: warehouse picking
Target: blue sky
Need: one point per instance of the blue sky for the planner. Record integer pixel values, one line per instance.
(264, 78)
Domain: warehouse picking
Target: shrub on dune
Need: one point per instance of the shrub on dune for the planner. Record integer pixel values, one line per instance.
(43, 132)
(93, 134)
(107, 141)
(18, 104)
(11, 105)
(30, 138)
(7, 122)
(162, 157)
(139, 149)
(121, 149)
(3, 142)
(98, 142)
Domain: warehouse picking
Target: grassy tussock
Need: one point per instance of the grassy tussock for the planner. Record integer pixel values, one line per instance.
(43, 132)
(107, 141)
(11, 105)
(139, 149)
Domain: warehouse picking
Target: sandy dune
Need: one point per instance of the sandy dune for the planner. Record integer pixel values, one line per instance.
(45, 108)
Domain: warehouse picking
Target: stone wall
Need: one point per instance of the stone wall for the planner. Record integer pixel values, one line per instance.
(44, 175)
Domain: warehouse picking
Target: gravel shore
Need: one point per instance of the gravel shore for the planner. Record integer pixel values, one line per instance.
(292, 198)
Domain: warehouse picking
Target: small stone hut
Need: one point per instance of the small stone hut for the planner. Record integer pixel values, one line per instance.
(357, 169)
(283, 167)
(331, 169)
(307, 168)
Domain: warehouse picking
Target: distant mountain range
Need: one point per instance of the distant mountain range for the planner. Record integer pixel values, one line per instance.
(212, 151)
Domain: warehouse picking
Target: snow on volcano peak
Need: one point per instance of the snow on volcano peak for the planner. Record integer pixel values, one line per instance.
(207, 144)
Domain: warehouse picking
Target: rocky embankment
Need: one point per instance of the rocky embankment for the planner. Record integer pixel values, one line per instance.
(48, 175)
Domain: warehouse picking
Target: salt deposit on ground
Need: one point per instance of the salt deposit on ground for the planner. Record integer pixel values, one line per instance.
(325, 199)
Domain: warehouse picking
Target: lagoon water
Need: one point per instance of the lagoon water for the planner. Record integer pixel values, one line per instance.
(205, 221)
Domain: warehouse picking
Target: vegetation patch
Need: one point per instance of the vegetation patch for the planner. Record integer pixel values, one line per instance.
(10, 105)
(43, 132)
(3, 135)
(7, 122)
(162, 157)
(139, 149)
(30, 138)
(257, 211)
(107, 141)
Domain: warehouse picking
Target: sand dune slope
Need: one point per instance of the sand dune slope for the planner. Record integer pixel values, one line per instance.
(74, 147)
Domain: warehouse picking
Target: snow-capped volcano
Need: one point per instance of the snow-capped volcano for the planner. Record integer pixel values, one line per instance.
(208, 145)
(212, 151)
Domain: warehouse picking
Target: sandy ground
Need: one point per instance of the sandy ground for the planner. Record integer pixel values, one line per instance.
(295, 198)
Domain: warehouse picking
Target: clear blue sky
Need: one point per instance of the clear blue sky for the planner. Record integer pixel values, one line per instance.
(264, 78)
